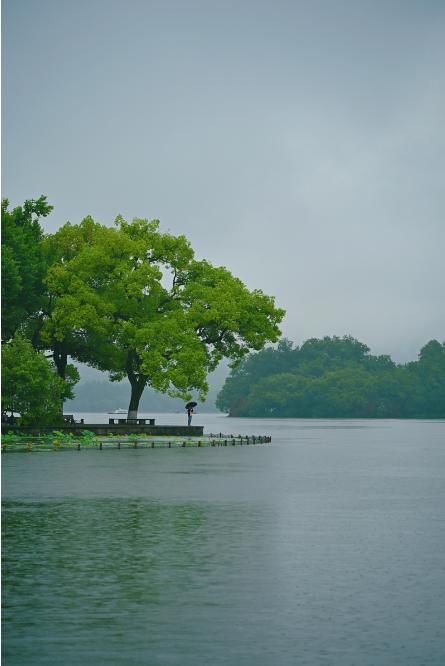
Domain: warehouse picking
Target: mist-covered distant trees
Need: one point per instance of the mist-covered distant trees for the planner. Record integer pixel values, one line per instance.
(335, 377)
(129, 300)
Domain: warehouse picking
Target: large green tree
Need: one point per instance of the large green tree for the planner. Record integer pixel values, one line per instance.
(135, 302)
(31, 385)
(23, 263)
(75, 319)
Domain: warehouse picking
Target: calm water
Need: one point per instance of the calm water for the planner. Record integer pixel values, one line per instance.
(326, 547)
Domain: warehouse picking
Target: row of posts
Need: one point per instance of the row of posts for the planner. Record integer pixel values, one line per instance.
(259, 439)
(216, 441)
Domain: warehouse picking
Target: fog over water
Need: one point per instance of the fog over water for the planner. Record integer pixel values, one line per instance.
(300, 144)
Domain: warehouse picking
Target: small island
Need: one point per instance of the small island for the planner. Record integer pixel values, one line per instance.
(336, 377)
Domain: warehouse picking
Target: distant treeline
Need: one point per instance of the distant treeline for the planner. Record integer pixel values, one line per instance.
(335, 377)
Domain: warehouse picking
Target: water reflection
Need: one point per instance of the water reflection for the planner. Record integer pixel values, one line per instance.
(82, 546)
(108, 568)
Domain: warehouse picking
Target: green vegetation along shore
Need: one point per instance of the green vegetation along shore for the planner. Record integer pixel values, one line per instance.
(61, 441)
(335, 377)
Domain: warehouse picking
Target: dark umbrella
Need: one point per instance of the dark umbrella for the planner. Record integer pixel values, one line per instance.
(190, 405)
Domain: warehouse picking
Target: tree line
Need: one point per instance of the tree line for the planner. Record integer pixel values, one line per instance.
(335, 377)
(126, 299)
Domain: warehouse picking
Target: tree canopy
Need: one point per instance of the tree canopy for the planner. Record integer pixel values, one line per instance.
(31, 385)
(128, 299)
(335, 377)
(23, 263)
(135, 302)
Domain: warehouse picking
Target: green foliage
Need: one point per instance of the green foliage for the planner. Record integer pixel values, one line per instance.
(133, 301)
(23, 263)
(9, 437)
(427, 381)
(129, 300)
(30, 385)
(64, 436)
(87, 436)
(336, 377)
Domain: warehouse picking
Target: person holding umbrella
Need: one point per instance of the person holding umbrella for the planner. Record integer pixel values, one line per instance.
(189, 407)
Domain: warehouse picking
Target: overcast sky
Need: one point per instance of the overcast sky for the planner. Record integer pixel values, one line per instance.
(300, 144)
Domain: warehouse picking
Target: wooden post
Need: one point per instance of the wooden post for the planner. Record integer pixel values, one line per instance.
(152, 445)
(78, 446)
(100, 445)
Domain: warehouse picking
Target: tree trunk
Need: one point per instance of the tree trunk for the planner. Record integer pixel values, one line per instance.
(60, 358)
(137, 388)
(138, 382)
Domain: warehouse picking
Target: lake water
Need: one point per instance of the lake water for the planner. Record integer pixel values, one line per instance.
(325, 547)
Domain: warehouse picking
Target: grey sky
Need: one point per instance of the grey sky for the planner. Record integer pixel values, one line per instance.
(301, 144)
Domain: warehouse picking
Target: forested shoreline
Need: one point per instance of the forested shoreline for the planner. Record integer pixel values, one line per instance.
(335, 377)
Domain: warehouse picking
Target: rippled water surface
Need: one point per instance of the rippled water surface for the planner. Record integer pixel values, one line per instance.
(325, 547)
